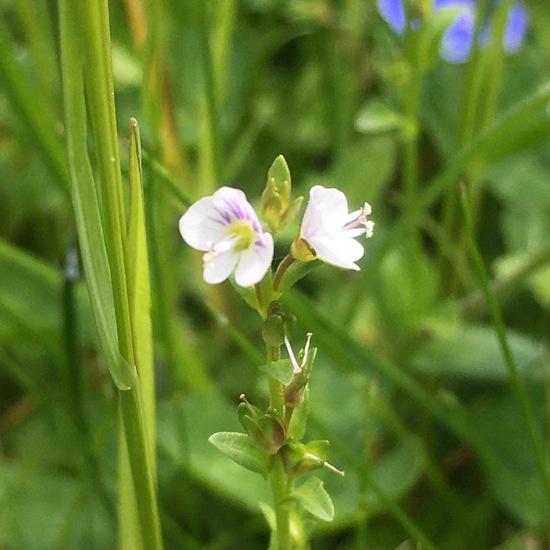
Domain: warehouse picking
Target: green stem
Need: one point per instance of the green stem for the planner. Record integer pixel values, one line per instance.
(475, 305)
(282, 267)
(515, 378)
(145, 491)
(475, 80)
(278, 476)
(279, 488)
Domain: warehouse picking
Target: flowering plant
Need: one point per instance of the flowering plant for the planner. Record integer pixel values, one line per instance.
(227, 229)
(458, 38)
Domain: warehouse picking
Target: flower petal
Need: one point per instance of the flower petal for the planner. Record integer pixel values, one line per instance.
(458, 38)
(339, 252)
(393, 12)
(202, 224)
(219, 268)
(438, 4)
(232, 204)
(254, 263)
(516, 27)
(327, 208)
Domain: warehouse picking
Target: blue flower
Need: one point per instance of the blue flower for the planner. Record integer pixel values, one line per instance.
(457, 40)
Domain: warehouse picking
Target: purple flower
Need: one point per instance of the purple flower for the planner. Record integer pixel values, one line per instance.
(227, 229)
(457, 40)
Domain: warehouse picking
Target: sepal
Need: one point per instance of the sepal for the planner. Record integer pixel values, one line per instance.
(264, 430)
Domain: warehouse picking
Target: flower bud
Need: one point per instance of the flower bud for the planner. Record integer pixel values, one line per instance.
(293, 393)
(299, 458)
(277, 210)
(262, 428)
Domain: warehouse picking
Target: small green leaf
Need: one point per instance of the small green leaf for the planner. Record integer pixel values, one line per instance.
(376, 117)
(239, 448)
(314, 498)
(281, 370)
(280, 172)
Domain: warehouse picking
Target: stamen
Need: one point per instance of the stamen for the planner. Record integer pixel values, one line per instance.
(297, 367)
(243, 398)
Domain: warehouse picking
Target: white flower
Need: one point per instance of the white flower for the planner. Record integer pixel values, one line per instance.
(329, 229)
(226, 227)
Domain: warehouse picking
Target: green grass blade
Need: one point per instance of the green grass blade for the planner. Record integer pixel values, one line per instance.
(516, 380)
(139, 289)
(98, 80)
(85, 200)
(35, 112)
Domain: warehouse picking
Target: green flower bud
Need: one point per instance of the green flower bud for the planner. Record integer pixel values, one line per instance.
(299, 458)
(277, 210)
(263, 428)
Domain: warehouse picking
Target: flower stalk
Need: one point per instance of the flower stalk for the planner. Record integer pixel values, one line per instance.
(225, 227)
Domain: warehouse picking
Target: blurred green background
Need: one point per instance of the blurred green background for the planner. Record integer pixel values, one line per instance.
(411, 386)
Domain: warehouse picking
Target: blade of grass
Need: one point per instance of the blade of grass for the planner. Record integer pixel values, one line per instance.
(516, 380)
(510, 128)
(85, 199)
(38, 24)
(109, 237)
(34, 110)
(209, 160)
(139, 289)
(349, 355)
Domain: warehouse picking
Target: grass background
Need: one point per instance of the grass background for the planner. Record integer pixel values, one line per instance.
(424, 411)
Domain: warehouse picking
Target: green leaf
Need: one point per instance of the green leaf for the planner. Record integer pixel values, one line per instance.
(521, 493)
(86, 203)
(195, 417)
(376, 117)
(314, 498)
(472, 353)
(281, 370)
(239, 448)
(139, 291)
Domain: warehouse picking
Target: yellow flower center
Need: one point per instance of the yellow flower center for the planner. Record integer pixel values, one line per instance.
(244, 234)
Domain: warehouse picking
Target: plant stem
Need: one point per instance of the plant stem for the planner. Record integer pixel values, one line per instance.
(282, 267)
(278, 476)
(279, 488)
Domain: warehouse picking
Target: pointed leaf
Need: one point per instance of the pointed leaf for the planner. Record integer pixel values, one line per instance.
(239, 448)
(314, 498)
(86, 205)
(139, 292)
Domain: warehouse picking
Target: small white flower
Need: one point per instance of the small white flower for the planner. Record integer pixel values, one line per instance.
(330, 230)
(227, 229)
